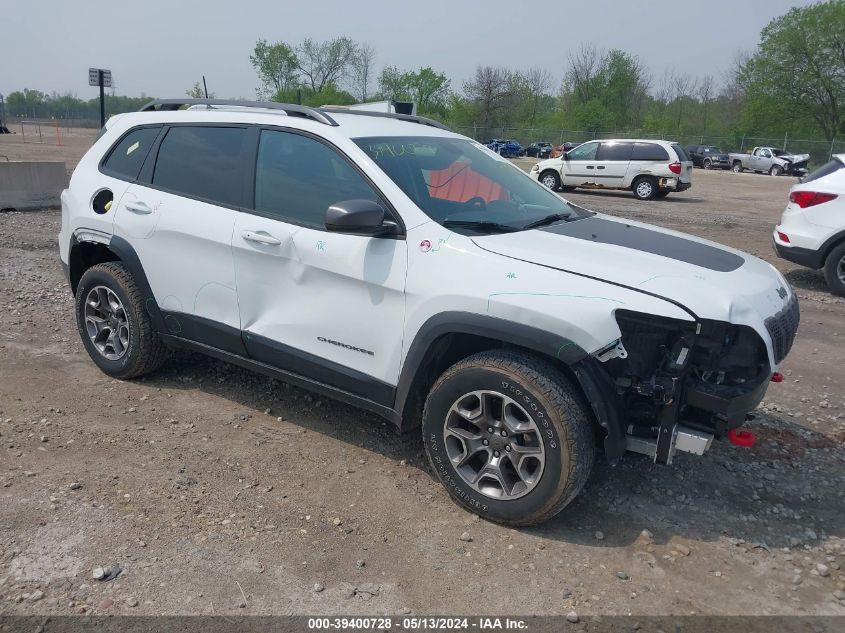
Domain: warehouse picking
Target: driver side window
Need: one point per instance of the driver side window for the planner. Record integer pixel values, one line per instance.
(587, 151)
(297, 178)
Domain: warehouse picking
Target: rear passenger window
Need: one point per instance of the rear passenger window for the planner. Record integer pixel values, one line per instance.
(202, 162)
(127, 157)
(649, 152)
(615, 151)
(297, 178)
(681, 152)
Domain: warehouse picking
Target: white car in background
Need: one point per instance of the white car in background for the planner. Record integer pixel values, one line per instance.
(651, 169)
(812, 229)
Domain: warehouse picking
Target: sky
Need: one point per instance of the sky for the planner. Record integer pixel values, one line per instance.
(161, 48)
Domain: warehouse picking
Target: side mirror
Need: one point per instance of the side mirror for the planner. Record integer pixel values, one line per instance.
(358, 217)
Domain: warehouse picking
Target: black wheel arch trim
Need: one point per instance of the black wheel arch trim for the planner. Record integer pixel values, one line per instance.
(594, 381)
(130, 259)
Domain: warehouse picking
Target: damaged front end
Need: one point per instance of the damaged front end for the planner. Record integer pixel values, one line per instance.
(678, 384)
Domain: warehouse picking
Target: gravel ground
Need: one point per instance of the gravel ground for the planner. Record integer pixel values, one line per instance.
(217, 491)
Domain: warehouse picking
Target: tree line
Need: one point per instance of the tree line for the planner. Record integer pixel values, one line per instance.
(792, 84)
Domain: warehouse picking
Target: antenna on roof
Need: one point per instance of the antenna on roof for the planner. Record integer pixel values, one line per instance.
(205, 86)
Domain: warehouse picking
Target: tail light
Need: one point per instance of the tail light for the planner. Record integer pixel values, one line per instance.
(675, 167)
(783, 237)
(806, 199)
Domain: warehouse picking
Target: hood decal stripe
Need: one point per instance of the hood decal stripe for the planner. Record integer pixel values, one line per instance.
(604, 231)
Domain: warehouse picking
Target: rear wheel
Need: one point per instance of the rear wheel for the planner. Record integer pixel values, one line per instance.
(776, 170)
(115, 328)
(834, 270)
(737, 167)
(550, 179)
(644, 188)
(508, 436)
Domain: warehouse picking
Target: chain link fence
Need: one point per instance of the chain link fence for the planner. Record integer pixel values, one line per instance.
(820, 151)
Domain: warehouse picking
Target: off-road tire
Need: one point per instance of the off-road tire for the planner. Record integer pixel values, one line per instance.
(551, 401)
(145, 352)
(834, 270)
(550, 179)
(644, 188)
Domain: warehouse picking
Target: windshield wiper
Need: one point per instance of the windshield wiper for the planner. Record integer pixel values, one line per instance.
(549, 219)
(481, 225)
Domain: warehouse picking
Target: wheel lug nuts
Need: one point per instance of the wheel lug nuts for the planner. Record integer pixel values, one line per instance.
(504, 433)
(485, 442)
(489, 429)
(495, 453)
(508, 448)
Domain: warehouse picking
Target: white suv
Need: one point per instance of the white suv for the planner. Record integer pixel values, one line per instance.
(812, 229)
(395, 265)
(651, 169)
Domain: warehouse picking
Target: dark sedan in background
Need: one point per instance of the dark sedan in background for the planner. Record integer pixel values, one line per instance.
(708, 157)
(540, 149)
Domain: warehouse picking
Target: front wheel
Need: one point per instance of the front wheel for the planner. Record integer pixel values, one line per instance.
(550, 179)
(509, 437)
(834, 270)
(776, 170)
(707, 164)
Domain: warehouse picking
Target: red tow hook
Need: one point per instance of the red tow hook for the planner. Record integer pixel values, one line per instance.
(777, 377)
(738, 437)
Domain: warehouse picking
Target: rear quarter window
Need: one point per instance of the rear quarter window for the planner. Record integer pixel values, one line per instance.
(651, 152)
(126, 158)
(825, 170)
(682, 155)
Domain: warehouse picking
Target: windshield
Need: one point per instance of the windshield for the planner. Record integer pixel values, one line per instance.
(460, 184)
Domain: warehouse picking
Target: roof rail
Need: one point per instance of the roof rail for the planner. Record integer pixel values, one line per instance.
(413, 118)
(291, 109)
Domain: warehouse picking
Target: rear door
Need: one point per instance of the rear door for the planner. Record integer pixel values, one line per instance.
(612, 162)
(579, 165)
(327, 306)
(648, 158)
(179, 218)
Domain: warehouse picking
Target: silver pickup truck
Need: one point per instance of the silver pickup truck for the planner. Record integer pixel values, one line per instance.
(771, 161)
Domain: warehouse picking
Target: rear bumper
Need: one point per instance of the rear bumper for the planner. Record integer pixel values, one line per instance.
(797, 255)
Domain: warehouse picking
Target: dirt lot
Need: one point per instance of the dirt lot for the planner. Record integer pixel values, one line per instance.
(219, 491)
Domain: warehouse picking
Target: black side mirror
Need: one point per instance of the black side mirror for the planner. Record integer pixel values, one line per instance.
(358, 217)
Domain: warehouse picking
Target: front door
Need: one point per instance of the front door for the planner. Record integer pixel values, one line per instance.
(328, 306)
(579, 165)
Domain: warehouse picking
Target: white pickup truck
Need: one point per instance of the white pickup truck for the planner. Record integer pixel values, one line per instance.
(771, 161)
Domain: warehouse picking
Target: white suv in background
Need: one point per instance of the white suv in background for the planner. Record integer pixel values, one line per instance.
(812, 228)
(393, 264)
(651, 169)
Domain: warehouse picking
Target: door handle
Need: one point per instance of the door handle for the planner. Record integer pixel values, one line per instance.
(600, 167)
(260, 238)
(591, 166)
(141, 208)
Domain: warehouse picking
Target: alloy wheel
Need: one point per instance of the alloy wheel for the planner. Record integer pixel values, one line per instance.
(494, 444)
(106, 323)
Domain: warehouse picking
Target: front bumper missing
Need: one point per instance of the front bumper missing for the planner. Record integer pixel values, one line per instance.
(683, 439)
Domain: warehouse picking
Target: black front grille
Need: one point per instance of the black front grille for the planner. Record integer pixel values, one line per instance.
(782, 328)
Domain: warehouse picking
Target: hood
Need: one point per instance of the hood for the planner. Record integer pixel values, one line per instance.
(710, 280)
(795, 158)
